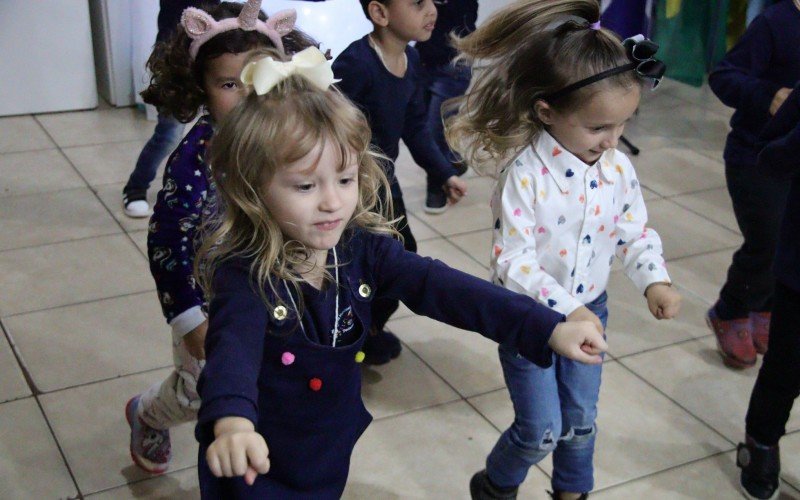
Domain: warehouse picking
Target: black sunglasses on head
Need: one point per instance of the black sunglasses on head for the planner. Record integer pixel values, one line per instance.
(640, 52)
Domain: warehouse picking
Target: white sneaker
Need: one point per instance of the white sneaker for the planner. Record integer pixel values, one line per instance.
(135, 205)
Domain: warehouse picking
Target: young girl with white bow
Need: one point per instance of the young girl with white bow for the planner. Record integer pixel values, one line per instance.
(198, 68)
(297, 256)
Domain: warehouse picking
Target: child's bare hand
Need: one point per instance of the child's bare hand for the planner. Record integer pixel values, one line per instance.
(578, 340)
(778, 100)
(663, 301)
(456, 189)
(584, 314)
(195, 341)
(238, 450)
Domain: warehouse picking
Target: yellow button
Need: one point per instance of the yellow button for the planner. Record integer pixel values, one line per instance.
(364, 290)
(359, 357)
(280, 313)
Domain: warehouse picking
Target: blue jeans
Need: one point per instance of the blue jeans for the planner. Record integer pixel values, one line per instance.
(554, 411)
(165, 139)
(443, 83)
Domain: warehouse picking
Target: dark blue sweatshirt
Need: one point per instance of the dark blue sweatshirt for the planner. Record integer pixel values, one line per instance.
(765, 59)
(455, 16)
(781, 158)
(394, 107)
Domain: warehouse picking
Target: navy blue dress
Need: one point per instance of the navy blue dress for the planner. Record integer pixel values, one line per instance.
(310, 410)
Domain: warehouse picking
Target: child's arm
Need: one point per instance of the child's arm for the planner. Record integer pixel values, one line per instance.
(430, 288)
(737, 81)
(171, 242)
(418, 137)
(237, 450)
(355, 78)
(780, 156)
(234, 347)
(640, 250)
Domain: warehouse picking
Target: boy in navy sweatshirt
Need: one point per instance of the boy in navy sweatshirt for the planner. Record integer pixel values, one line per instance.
(778, 382)
(380, 74)
(754, 77)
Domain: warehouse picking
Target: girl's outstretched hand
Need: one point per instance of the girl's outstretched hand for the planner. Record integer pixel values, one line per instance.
(238, 450)
(578, 340)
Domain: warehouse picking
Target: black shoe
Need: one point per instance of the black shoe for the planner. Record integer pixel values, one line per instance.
(381, 348)
(435, 201)
(481, 488)
(134, 203)
(761, 466)
(556, 495)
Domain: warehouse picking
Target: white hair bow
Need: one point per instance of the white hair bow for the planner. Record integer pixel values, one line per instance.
(310, 63)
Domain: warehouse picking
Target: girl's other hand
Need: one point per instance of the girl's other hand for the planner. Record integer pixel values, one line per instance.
(578, 340)
(456, 189)
(238, 450)
(663, 301)
(195, 341)
(584, 314)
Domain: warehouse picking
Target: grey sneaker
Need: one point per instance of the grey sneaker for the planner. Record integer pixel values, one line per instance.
(761, 466)
(150, 448)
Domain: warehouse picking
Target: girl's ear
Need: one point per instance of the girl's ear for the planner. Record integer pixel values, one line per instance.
(543, 112)
(378, 13)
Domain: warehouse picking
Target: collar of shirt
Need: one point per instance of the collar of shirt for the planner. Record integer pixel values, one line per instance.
(564, 167)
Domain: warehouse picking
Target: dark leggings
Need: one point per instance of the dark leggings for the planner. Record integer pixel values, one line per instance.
(778, 382)
(758, 203)
(383, 308)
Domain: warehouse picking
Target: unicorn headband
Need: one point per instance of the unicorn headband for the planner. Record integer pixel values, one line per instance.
(201, 27)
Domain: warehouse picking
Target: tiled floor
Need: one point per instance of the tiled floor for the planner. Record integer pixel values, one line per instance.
(83, 331)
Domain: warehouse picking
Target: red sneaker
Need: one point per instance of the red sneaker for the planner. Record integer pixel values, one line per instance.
(760, 322)
(733, 339)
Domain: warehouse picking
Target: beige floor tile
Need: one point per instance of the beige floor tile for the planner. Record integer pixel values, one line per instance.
(472, 213)
(466, 360)
(101, 340)
(420, 230)
(424, 454)
(703, 275)
(478, 245)
(106, 163)
(790, 459)
(180, 485)
(714, 204)
(403, 385)
(450, 254)
(12, 381)
(685, 233)
(685, 120)
(111, 196)
(631, 327)
(693, 375)
(30, 462)
(32, 172)
(675, 170)
(640, 431)
(96, 127)
(140, 238)
(69, 273)
(89, 423)
(39, 219)
(22, 133)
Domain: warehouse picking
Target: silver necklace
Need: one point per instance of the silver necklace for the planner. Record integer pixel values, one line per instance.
(335, 330)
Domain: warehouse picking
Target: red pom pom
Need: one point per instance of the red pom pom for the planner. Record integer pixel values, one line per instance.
(315, 384)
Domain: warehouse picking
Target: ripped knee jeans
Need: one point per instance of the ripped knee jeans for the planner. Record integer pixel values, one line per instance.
(554, 412)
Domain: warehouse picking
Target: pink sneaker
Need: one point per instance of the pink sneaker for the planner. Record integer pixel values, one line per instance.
(760, 325)
(151, 449)
(733, 339)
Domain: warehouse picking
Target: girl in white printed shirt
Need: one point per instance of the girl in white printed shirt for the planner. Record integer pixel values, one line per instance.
(551, 94)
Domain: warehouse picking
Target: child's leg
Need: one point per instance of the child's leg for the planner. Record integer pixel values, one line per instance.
(165, 139)
(758, 203)
(578, 391)
(537, 420)
(778, 382)
(174, 400)
(444, 83)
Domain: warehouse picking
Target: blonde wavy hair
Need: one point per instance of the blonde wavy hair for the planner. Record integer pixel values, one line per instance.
(262, 134)
(523, 53)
